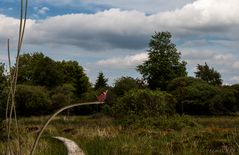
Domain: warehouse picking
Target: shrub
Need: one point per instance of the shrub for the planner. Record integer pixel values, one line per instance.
(161, 122)
(196, 97)
(146, 103)
(3, 101)
(62, 96)
(124, 84)
(32, 100)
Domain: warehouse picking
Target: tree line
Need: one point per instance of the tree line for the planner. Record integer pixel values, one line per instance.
(45, 85)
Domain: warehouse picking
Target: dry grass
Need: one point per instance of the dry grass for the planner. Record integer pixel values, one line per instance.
(100, 136)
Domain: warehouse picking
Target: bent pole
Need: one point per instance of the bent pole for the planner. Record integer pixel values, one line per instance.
(50, 119)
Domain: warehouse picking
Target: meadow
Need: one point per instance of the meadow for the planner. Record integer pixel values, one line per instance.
(102, 135)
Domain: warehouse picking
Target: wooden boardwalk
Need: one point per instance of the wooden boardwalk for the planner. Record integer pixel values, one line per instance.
(72, 147)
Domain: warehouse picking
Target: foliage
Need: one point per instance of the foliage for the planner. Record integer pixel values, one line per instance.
(47, 73)
(144, 103)
(197, 97)
(3, 93)
(164, 62)
(210, 75)
(175, 122)
(40, 70)
(62, 96)
(32, 100)
(124, 84)
(74, 74)
(2, 76)
(101, 81)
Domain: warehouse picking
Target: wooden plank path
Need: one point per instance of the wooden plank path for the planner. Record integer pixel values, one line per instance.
(72, 147)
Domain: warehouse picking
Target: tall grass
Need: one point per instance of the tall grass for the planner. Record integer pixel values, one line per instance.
(10, 109)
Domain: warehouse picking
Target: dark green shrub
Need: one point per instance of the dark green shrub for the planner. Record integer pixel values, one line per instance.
(124, 84)
(62, 96)
(106, 109)
(3, 102)
(161, 122)
(146, 103)
(196, 97)
(32, 100)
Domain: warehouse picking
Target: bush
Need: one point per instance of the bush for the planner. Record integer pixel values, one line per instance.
(196, 97)
(3, 102)
(162, 122)
(124, 84)
(62, 96)
(146, 103)
(32, 100)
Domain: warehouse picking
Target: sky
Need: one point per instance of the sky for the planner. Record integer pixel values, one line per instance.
(112, 36)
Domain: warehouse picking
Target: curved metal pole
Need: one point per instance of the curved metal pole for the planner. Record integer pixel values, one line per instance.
(50, 119)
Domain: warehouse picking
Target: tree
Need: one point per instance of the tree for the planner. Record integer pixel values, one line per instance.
(38, 69)
(164, 62)
(210, 75)
(47, 73)
(124, 84)
(101, 81)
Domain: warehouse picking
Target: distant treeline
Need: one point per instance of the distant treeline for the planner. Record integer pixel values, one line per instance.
(45, 85)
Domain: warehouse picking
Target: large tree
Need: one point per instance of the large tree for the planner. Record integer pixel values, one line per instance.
(164, 62)
(75, 74)
(210, 75)
(39, 69)
(101, 81)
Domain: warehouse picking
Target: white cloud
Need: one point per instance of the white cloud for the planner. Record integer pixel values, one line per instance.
(115, 28)
(124, 62)
(210, 24)
(43, 10)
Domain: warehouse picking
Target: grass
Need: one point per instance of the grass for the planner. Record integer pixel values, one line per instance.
(100, 135)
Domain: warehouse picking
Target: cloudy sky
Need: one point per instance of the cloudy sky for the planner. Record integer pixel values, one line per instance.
(112, 35)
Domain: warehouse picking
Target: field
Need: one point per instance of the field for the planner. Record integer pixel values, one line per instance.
(102, 135)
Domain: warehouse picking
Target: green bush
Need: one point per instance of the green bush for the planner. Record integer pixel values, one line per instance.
(62, 96)
(32, 100)
(3, 101)
(124, 84)
(196, 97)
(161, 122)
(146, 103)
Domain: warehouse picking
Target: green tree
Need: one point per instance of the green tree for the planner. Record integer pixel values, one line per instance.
(124, 84)
(210, 75)
(81, 83)
(74, 74)
(38, 69)
(70, 69)
(47, 73)
(101, 81)
(164, 62)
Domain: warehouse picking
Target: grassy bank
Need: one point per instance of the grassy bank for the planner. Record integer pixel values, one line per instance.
(101, 135)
